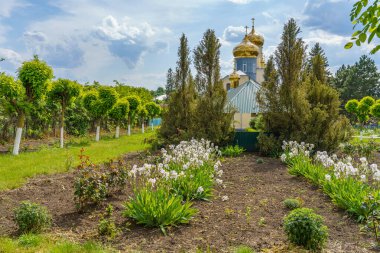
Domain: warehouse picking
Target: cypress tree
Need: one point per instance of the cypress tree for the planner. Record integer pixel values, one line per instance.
(177, 119)
(212, 120)
(295, 99)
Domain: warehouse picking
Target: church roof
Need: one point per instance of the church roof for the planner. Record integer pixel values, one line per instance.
(243, 97)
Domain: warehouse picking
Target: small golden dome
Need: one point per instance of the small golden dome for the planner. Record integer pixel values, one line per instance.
(234, 76)
(246, 49)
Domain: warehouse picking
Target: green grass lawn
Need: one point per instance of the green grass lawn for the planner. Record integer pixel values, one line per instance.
(46, 243)
(355, 140)
(14, 170)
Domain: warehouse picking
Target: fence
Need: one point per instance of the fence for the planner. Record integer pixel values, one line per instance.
(247, 140)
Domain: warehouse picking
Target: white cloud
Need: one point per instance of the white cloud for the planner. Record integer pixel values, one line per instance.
(240, 1)
(130, 41)
(11, 56)
(325, 38)
(7, 6)
(232, 34)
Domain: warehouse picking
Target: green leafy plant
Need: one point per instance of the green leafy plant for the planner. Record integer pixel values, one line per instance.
(31, 217)
(106, 226)
(372, 225)
(305, 228)
(93, 184)
(243, 249)
(292, 203)
(158, 208)
(196, 183)
(232, 151)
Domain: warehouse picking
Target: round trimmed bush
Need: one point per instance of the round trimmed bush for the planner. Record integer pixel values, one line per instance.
(31, 217)
(305, 228)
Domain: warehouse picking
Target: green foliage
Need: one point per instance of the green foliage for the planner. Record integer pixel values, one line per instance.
(120, 110)
(373, 221)
(99, 102)
(360, 149)
(12, 92)
(269, 145)
(134, 104)
(34, 76)
(196, 183)
(243, 249)
(298, 104)
(358, 80)
(232, 151)
(31, 218)
(125, 91)
(178, 119)
(257, 122)
(29, 240)
(142, 112)
(305, 228)
(366, 15)
(362, 109)
(106, 226)
(64, 91)
(292, 204)
(92, 184)
(153, 109)
(77, 121)
(375, 110)
(158, 208)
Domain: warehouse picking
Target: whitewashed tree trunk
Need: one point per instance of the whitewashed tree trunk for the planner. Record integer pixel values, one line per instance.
(129, 129)
(16, 145)
(61, 137)
(97, 133)
(152, 126)
(117, 132)
(361, 135)
(142, 127)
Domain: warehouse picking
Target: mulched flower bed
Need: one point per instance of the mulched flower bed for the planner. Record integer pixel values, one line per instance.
(251, 216)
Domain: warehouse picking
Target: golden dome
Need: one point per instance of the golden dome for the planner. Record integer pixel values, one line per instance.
(256, 38)
(234, 76)
(246, 49)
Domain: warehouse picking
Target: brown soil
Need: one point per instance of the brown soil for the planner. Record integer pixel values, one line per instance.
(218, 226)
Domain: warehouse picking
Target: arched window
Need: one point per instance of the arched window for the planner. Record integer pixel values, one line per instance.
(228, 86)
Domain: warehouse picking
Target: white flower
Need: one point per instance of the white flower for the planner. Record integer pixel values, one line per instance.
(152, 181)
(219, 181)
(362, 178)
(200, 189)
(373, 167)
(376, 175)
(224, 198)
(219, 173)
(283, 157)
(327, 177)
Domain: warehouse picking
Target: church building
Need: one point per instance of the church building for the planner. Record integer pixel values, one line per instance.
(244, 82)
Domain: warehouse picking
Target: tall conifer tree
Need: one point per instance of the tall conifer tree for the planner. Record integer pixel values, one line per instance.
(177, 120)
(212, 120)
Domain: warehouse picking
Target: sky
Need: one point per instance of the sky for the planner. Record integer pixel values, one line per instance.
(135, 42)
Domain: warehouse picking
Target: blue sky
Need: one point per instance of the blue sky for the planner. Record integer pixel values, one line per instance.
(136, 41)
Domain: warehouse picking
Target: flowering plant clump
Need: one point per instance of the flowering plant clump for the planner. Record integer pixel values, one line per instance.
(185, 172)
(293, 148)
(346, 180)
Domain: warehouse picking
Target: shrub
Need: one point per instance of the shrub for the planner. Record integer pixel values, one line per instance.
(158, 208)
(305, 228)
(269, 145)
(106, 226)
(292, 203)
(93, 184)
(232, 151)
(31, 217)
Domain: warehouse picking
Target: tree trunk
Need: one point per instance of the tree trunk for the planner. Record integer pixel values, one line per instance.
(142, 127)
(117, 132)
(62, 124)
(129, 127)
(97, 125)
(20, 125)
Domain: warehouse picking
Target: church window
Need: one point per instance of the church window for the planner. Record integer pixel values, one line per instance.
(244, 67)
